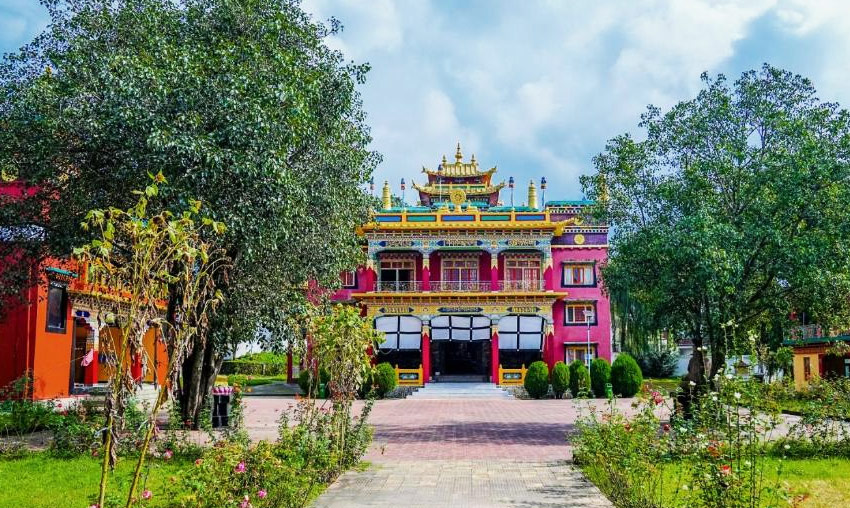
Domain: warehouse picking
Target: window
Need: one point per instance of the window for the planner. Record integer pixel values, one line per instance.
(807, 368)
(577, 352)
(579, 274)
(349, 279)
(577, 313)
(521, 332)
(460, 269)
(57, 307)
(462, 328)
(396, 273)
(400, 332)
(522, 272)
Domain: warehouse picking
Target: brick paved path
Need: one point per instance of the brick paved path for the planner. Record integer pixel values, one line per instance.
(471, 453)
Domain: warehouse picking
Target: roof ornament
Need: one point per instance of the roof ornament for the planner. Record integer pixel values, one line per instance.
(532, 195)
(386, 196)
(458, 154)
(472, 160)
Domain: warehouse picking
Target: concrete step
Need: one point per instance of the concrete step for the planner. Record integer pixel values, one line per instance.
(460, 391)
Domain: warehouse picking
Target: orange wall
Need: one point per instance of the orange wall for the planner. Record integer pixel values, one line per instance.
(52, 365)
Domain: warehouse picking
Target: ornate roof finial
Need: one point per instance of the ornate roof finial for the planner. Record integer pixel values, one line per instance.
(444, 160)
(386, 196)
(472, 160)
(458, 154)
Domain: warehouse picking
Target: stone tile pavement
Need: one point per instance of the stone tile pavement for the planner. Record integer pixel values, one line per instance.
(457, 452)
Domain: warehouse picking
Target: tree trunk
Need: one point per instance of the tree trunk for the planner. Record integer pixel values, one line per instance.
(199, 372)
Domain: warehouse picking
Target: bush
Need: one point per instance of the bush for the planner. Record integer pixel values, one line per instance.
(626, 375)
(600, 375)
(385, 379)
(579, 379)
(658, 363)
(306, 380)
(252, 368)
(560, 379)
(537, 380)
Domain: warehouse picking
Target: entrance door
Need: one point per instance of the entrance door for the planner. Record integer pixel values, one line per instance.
(464, 358)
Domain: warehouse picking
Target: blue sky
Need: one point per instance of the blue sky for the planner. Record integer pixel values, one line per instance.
(536, 87)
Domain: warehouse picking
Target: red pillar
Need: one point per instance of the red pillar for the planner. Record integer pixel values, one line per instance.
(426, 275)
(549, 350)
(494, 356)
(91, 372)
(549, 276)
(426, 354)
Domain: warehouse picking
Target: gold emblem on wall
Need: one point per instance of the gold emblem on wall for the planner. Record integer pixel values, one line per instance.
(457, 196)
(579, 239)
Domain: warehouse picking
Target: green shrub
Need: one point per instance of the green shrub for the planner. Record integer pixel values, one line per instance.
(385, 379)
(252, 368)
(537, 380)
(560, 379)
(659, 362)
(600, 375)
(307, 381)
(579, 379)
(626, 376)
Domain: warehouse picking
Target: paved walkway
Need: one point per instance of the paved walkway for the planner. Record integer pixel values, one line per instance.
(469, 452)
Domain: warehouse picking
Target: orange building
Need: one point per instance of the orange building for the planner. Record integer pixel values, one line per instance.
(61, 332)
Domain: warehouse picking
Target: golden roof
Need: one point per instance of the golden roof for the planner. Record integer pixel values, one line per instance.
(458, 168)
(470, 189)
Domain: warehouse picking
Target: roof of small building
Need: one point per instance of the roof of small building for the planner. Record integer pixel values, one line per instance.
(575, 202)
(816, 340)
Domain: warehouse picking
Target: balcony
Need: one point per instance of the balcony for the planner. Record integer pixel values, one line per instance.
(463, 286)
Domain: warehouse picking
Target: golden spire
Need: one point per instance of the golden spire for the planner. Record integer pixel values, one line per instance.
(532, 195)
(444, 160)
(472, 160)
(458, 154)
(386, 197)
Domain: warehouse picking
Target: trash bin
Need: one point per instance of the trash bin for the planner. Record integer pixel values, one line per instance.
(221, 406)
(323, 387)
(609, 391)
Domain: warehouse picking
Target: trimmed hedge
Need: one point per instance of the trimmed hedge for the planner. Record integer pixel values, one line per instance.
(537, 380)
(600, 375)
(579, 379)
(306, 380)
(560, 379)
(252, 368)
(385, 379)
(626, 376)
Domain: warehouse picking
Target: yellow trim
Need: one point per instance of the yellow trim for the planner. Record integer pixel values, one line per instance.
(443, 295)
(600, 246)
(409, 382)
(511, 382)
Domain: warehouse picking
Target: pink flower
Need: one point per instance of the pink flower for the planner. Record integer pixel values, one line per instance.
(94, 505)
(262, 494)
(198, 462)
(146, 494)
(168, 454)
(240, 468)
(666, 427)
(726, 469)
(245, 503)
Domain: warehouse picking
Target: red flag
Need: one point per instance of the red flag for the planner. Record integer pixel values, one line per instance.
(88, 358)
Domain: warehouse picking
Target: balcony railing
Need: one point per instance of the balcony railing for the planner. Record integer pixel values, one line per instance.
(521, 285)
(454, 286)
(451, 286)
(399, 286)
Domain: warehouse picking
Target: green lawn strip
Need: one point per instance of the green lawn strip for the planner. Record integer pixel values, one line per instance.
(813, 483)
(40, 480)
(663, 384)
(252, 380)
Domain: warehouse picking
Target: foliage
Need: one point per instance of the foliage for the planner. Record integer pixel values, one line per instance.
(626, 376)
(252, 368)
(579, 379)
(240, 105)
(821, 430)
(717, 458)
(600, 375)
(19, 415)
(536, 380)
(658, 361)
(385, 379)
(736, 199)
(560, 379)
(307, 380)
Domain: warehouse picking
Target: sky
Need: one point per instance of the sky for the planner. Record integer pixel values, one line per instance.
(537, 87)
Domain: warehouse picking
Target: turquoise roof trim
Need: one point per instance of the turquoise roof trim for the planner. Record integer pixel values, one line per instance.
(577, 202)
(816, 340)
(60, 271)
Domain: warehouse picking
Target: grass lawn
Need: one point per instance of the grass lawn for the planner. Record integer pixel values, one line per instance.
(40, 480)
(812, 483)
(254, 380)
(665, 385)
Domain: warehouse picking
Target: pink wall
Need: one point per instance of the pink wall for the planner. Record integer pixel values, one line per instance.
(599, 333)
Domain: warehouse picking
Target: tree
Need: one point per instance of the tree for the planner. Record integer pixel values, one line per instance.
(240, 104)
(731, 213)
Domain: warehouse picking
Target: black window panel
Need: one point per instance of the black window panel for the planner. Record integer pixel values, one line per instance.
(57, 308)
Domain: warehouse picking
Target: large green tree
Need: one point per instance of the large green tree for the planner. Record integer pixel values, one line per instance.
(730, 213)
(239, 103)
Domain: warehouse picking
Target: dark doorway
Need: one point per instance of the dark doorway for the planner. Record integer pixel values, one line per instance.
(462, 358)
